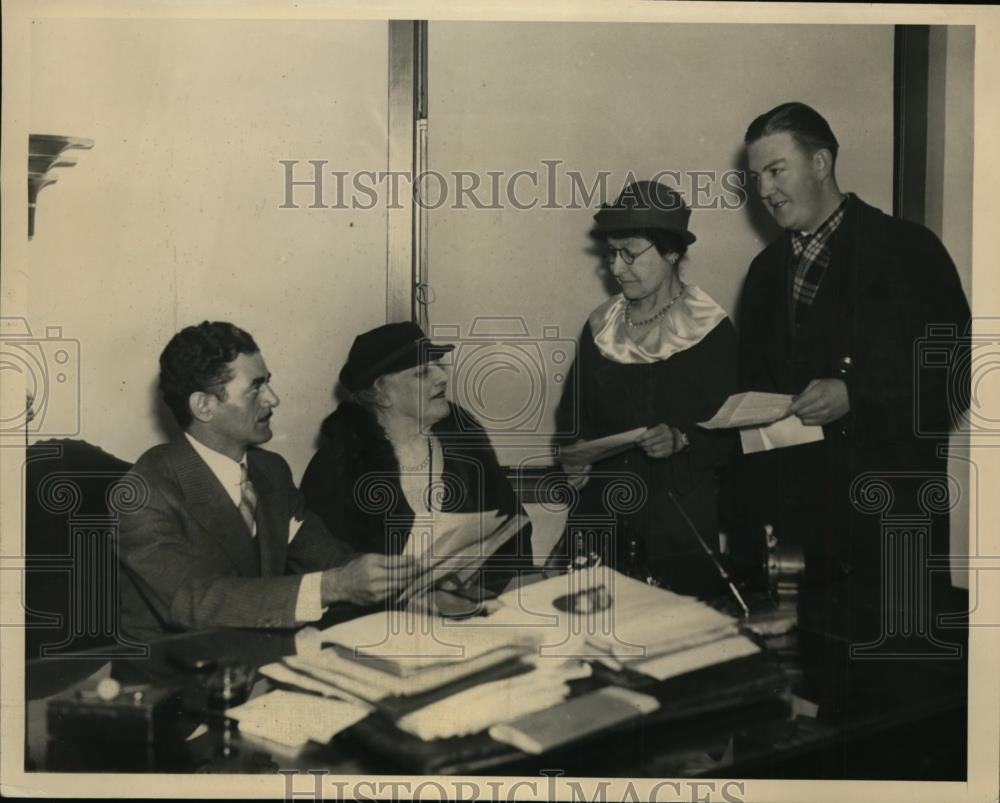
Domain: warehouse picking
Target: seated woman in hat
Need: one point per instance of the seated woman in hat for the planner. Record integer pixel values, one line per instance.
(397, 451)
(660, 354)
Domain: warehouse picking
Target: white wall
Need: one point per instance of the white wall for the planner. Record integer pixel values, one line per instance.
(173, 217)
(620, 97)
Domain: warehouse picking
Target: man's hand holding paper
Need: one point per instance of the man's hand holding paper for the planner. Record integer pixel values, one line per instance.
(768, 420)
(823, 401)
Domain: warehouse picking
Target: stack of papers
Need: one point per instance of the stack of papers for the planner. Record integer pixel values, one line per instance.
(438, 679)
(292, 719)
(662, 634)
(646, 629)
(477, 708)
(401, 654)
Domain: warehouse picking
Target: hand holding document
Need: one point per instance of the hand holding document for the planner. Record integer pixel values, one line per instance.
(586, 452)
(749, 410)
(763, 421)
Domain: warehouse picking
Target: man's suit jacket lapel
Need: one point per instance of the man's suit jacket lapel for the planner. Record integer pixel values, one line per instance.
(272, 520)
(208, 503)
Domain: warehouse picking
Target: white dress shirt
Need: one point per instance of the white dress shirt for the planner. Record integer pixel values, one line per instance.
(309, 603)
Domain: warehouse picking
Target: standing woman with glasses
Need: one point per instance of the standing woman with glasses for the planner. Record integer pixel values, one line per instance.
(660, 354)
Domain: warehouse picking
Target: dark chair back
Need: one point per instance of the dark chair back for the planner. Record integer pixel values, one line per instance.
(73, 492)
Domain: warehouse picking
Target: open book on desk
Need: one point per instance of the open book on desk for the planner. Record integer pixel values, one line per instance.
(455, 544)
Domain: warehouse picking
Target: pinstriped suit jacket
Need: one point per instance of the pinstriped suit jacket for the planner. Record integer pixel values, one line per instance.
(189, 562)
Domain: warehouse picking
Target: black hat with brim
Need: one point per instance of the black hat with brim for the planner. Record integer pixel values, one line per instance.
(385, 350)
(646, 205)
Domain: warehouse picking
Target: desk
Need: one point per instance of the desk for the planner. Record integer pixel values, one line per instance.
(899, 719)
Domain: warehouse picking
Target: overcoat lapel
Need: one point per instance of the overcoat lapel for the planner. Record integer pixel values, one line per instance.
(857, 251)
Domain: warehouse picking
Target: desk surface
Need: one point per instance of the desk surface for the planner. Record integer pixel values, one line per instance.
(903, 718)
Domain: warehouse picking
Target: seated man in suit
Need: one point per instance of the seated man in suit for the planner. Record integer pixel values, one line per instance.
(223, 538)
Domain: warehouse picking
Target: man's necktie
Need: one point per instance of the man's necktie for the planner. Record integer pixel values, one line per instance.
(248, 499)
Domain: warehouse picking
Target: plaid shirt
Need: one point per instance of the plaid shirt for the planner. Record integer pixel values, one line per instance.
(810, 257)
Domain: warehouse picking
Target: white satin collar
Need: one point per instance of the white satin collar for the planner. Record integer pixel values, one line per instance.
(688, 321)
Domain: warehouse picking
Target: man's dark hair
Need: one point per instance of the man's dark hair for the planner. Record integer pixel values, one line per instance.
(196, 359)
(806, 125)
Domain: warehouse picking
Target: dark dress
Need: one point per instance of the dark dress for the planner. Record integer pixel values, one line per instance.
(352, 484)
(650, 505)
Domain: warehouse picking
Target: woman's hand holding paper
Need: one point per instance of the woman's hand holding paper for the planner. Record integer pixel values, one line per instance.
(662, 441)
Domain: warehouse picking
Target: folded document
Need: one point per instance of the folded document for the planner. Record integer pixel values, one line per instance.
(786, 432)
(763, 421)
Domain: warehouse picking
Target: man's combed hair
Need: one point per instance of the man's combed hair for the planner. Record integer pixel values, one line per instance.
(195, 359)
(810, 130)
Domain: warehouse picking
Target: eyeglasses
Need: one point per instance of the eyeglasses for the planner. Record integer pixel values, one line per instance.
(627, 256)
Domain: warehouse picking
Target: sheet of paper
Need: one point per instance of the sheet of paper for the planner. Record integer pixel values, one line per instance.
(587, 452)
(292, 719)
(473, 556)
(455, 542)
(749, 409)
(447, 533)
(779, 435)
(458, 544)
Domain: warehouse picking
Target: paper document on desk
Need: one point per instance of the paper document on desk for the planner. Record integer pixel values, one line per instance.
(749, 410)
(292, 719)
(786, 432)
(585, 453)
